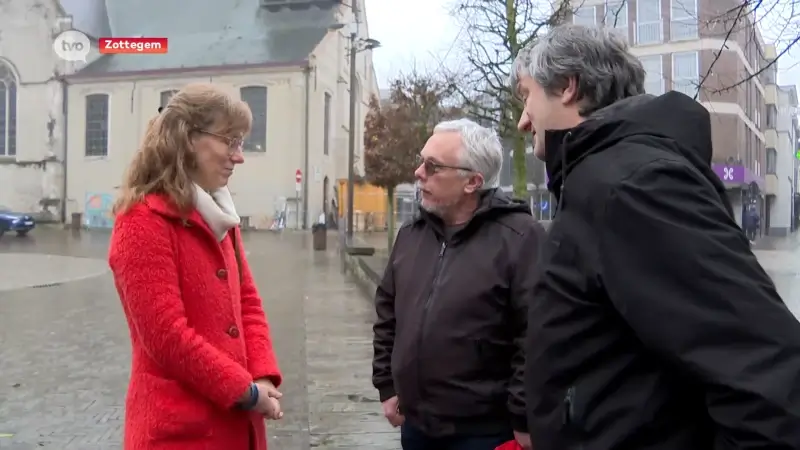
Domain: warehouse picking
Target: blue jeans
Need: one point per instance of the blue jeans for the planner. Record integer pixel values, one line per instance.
(412, 438)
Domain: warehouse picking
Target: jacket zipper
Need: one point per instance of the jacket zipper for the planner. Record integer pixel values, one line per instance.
(436, 271)
(571, 420)
(423, 319)
(564, 179)
(569, 406)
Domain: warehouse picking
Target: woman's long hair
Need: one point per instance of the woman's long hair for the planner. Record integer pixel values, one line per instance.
(164, 161)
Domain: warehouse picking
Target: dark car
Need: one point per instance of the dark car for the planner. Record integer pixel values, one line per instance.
(17, 222)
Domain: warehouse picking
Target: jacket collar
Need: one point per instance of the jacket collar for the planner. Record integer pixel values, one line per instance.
(492, 202)
(162, 205)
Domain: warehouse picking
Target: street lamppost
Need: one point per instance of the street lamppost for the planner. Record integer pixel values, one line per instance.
(355, 46)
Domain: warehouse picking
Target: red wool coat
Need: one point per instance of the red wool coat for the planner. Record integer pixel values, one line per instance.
(199, 338)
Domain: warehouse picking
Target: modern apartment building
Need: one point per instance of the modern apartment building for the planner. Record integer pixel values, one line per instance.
(699, 48)
(781, 173)
(782, 133)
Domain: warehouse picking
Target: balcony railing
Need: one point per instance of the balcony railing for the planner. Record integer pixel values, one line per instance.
(683, 29)
(649, 33)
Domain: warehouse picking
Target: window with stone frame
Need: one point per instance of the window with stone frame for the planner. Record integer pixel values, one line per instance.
(8, 110)
(96, 132)
(256, 99)
(326, 132)
(166, 96)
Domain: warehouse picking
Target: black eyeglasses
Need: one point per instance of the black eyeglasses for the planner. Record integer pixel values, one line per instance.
(431, 167)
(234, 144)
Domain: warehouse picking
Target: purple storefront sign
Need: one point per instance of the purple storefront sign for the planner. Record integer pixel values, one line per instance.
(729, 174)
(737, 175)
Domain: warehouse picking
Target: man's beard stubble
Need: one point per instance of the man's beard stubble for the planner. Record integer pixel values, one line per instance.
(439, 210)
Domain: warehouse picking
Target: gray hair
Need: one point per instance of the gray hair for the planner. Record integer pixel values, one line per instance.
(596, 56)
(481, 149)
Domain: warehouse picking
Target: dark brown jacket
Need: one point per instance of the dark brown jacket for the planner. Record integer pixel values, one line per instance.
(452, 317)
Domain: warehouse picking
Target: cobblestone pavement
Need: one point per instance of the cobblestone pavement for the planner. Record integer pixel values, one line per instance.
(64, 346)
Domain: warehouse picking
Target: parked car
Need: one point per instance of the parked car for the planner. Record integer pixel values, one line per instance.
(17, 222)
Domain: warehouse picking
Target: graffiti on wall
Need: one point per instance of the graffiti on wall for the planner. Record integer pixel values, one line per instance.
(97, 211)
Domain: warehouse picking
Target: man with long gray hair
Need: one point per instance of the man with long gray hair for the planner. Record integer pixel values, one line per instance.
(652, 326)
(452, 305)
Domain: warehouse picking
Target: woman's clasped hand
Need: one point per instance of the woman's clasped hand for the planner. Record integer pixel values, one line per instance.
(268, 400)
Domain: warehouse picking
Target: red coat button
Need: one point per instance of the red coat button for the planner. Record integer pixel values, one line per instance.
(233, 331)
(222, 274)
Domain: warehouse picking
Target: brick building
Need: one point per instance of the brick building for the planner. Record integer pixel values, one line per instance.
(699, 47)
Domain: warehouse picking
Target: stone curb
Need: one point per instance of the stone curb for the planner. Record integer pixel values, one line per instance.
(365, 277)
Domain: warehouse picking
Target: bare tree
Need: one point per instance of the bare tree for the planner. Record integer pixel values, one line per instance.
(496, 31)
(750, 26)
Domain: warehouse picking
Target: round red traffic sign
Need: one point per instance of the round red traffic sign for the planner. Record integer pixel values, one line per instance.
(298, 176)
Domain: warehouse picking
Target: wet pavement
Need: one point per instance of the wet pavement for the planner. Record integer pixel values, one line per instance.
(64, 345)
(784, 268)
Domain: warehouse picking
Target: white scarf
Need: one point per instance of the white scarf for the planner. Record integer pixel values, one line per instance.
(217, 210)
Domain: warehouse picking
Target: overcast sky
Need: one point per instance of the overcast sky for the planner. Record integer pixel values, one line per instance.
(421, 33)
(417, 33)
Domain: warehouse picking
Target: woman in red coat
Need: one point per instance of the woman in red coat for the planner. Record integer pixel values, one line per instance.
(203, 375)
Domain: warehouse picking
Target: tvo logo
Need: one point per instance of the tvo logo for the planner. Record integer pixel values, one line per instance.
(72, 45)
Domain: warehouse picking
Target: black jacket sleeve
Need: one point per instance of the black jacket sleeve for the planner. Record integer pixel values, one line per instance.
(524, 278)
(384, 332)
(681, 273)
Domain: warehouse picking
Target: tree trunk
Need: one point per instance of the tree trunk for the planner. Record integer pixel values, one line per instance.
(390, 219)
(520, 168)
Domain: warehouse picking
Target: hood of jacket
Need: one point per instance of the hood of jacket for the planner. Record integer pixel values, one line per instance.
(493, 203)
(673, 116)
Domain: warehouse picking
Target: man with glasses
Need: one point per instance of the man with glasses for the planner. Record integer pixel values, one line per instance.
(453, 301)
